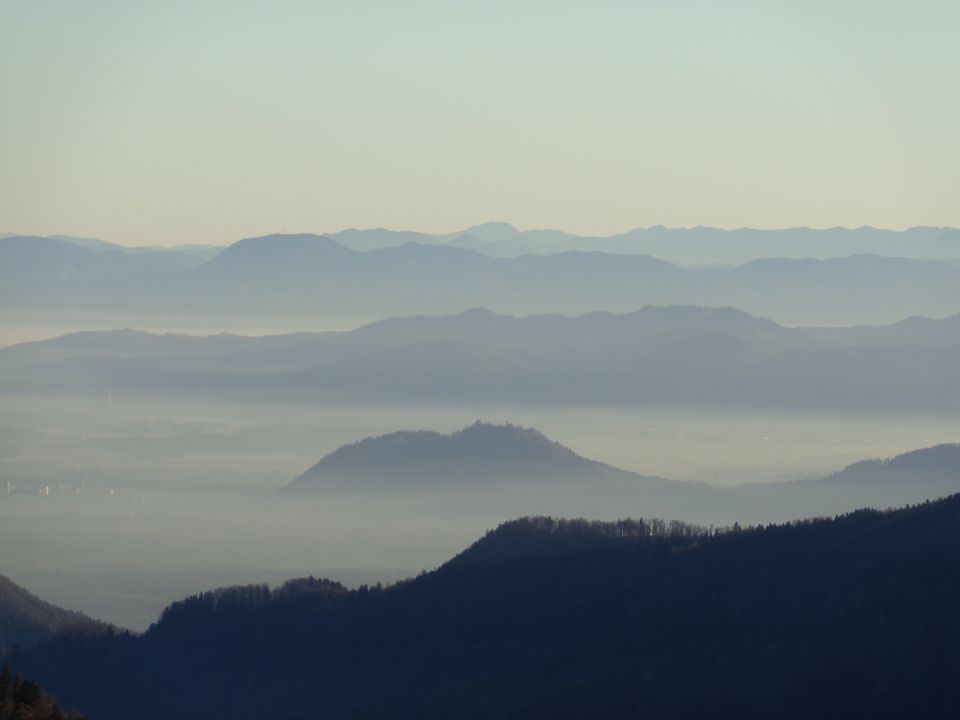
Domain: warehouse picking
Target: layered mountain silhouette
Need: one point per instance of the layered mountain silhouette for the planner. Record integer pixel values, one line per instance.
(670, 356)
(480, 454)
(933, 462)
(26, 620)
(683, 245)
(299, 277)
(556, 618)
(84, 259)
(680, 245)
(491, 459)
(912, 477)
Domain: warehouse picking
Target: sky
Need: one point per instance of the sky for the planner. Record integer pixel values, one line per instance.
(203, 122)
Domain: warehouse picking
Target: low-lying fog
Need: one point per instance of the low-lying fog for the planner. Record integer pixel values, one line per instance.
(150, 501)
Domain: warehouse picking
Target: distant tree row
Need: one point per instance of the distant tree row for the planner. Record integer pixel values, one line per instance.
(654, 527)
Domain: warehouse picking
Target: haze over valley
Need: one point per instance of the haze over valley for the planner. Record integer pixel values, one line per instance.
(295, 282)
(126, 449)
(490, 361)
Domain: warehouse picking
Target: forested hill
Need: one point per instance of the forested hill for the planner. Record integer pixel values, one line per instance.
(939, 460)
(481, 453)
(26, 619)
(854, 617)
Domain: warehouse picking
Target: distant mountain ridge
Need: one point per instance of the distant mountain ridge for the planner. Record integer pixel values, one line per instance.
(491, 459)
(909, 478)
(939, 459)
(676, 244)
(201, 252)
(296, 277)
(934, 471)
(699, 245)
(479, 453)
(657, 356)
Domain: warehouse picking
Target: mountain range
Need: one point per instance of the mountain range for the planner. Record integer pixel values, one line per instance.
(300, 279)
(694, 245)
(657, 356)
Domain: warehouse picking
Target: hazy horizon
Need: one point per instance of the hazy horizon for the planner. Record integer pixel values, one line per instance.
(173, 242)
(140, 124)
(503, 359)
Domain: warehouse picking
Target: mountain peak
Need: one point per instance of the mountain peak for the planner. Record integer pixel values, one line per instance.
(287, 242)
(480, 453)
(278, 252)
(478, 313)
(484, 432)
(491, 231)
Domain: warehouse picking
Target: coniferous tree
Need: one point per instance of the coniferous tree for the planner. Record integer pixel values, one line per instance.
(6, 691)
(26, 700)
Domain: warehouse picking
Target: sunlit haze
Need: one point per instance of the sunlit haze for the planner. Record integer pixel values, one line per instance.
(181, 122)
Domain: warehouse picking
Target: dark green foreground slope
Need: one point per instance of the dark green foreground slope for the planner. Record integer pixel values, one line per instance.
(26, 620)
(854, 617)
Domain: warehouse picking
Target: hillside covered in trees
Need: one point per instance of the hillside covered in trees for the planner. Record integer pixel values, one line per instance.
(26, 620)
(852, 617)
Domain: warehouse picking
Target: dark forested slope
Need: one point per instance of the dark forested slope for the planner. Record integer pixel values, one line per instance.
(854, 617)
(26, 620)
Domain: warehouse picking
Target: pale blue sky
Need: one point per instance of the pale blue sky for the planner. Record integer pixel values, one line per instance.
(164, 122)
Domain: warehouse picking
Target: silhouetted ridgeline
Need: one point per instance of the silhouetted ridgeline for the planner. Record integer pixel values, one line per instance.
(934, 461)
(26, 620)
(684, 245)
(680, 356)
(481, 454)
(853, 617)
(912, 477)
(494, 460)
(299, 278)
